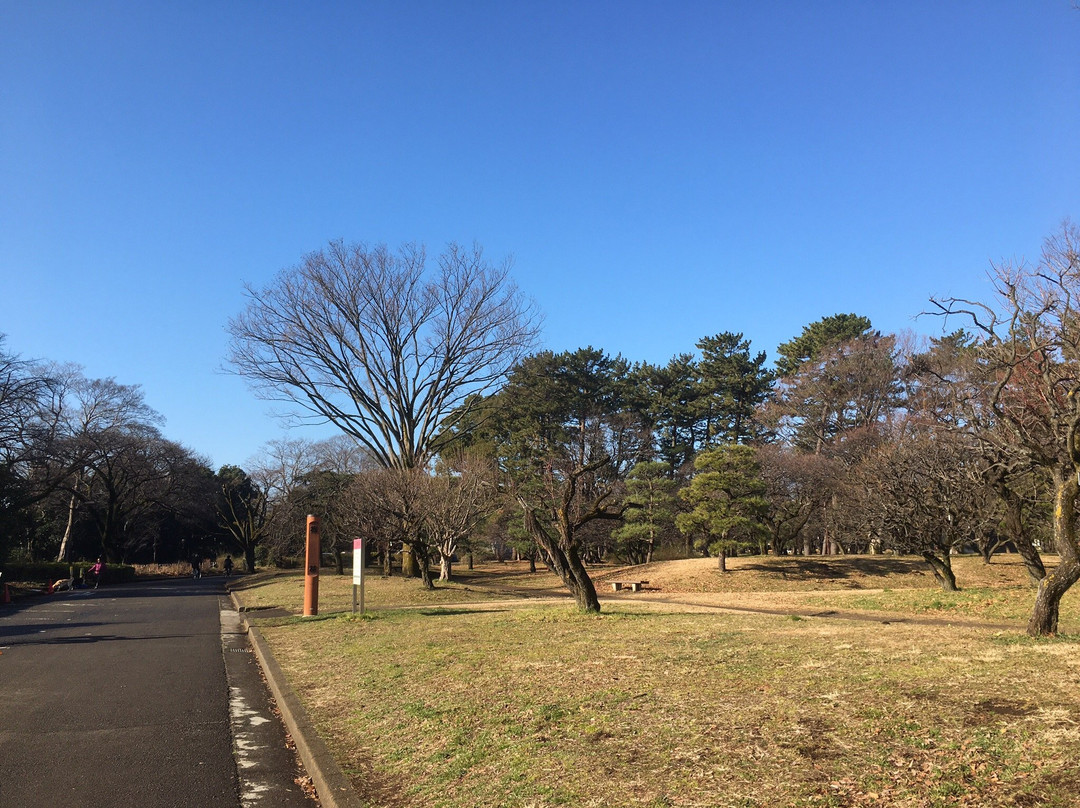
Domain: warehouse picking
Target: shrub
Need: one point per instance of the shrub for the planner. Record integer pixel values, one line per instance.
(45, 572)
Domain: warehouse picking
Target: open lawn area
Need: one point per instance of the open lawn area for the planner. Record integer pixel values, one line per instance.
(898, 694)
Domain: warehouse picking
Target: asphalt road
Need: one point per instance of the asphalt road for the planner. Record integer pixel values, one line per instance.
(119, 696)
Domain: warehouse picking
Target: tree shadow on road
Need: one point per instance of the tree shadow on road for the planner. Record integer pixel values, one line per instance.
(85, 640)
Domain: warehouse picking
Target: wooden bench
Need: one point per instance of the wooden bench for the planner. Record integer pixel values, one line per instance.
(634, 586)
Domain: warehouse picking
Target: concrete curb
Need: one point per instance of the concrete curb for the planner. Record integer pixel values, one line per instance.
(331, 784)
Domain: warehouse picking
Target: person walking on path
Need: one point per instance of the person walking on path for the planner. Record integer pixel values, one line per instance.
(228, 566)
(98, 571)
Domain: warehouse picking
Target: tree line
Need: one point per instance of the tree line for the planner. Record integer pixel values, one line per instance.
(853, 441)
(86, 472)
(457, 434)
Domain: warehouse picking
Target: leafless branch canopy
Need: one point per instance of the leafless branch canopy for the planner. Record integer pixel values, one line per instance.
(1030, 350)
(375, 343)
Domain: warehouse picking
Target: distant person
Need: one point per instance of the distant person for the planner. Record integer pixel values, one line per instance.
(228, 566)
(196, 567)
(98, 571)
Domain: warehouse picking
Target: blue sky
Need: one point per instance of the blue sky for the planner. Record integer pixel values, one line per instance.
(660, 172)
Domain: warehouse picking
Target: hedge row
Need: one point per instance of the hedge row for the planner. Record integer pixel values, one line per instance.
(44, 572)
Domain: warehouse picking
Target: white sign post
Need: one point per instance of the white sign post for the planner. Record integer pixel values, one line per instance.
(358, 573)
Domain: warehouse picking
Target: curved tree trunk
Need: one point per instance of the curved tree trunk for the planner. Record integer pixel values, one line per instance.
(1044, 617)
(567, 564)
(942, 571)
(1014, 529)
(73, 504)
(1014, 526)
(583, 591)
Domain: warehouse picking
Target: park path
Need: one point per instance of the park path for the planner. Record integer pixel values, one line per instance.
(119, 696)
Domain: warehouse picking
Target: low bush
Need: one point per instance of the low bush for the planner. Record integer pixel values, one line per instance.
(46, 572)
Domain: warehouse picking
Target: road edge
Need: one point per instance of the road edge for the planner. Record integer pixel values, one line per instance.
(331, 785)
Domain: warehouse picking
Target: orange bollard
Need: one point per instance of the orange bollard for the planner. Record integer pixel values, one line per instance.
(311, 568)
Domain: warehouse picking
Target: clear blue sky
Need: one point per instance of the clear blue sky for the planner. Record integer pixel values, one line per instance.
(659, 171)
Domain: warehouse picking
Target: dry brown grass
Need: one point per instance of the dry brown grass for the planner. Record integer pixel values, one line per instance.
(547, 707)
(813, 573)
(491, 702)
(497, 582)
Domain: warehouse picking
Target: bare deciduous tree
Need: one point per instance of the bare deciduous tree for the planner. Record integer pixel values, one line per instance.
(381, 346)
(93, 414)
(392, 500)
(454, 504)
(926, 494)
(950, 384)
(1030, 349)
(295, 474)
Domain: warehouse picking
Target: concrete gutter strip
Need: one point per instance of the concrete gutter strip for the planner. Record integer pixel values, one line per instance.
(331, 784)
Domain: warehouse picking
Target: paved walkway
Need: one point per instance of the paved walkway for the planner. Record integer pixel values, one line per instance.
(120, 696)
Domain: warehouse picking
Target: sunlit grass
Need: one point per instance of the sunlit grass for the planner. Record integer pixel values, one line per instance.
(545, 706)
(286, 589)
(466, 697)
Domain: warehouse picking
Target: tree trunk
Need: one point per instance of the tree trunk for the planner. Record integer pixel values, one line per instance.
(409, 566)
(584, 592)
(1032, 560)
(721, 561)
(444, 567)
(420, 558)
(249, 558)
(339, 562)
(1014, 527)
(387, 560)
(469, 560)
(62, 555)
(1044, 617)
(567, 564)
(942, 571)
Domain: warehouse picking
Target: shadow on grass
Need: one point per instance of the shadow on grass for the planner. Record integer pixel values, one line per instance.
(799, 569)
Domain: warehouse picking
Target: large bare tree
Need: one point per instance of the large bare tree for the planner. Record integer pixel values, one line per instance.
(97, 420)
(1030, 354)
(382, 345)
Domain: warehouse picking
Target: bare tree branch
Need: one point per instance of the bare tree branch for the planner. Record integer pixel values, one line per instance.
(372, 342)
